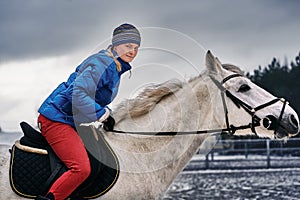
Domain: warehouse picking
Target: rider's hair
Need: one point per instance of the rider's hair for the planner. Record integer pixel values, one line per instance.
(118, 64)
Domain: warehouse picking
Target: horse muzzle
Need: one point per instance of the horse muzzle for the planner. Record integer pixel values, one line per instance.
(285, 127)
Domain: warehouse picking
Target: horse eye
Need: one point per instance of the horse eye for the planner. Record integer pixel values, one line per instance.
(244, 88)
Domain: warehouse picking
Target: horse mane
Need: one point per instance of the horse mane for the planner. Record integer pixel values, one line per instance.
(153, 94)
(147, 99)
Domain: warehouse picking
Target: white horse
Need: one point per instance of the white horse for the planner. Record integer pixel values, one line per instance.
(150, 163)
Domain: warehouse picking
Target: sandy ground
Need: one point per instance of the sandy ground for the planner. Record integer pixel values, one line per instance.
(3, 156)
(267, 184)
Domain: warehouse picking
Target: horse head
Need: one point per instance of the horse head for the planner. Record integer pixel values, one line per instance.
(250, 105)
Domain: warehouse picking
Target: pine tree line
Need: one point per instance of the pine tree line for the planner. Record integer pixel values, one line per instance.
(282, 80)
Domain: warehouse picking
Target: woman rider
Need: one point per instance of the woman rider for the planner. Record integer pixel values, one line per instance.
(84, 98)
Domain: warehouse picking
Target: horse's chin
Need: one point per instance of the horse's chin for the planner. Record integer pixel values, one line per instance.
(283, 133)
(280, 134)
(262, 132)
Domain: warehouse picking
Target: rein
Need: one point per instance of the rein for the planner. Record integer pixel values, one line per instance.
(269, 122)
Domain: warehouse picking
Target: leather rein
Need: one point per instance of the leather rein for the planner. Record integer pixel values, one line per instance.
(270, 122)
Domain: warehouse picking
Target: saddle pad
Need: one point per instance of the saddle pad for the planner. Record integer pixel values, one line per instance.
(30, 169)
(28, 172)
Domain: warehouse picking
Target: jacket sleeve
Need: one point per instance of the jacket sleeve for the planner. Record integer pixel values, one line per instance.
(83, 95)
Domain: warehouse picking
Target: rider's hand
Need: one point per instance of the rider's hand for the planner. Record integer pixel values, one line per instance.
(109, 123)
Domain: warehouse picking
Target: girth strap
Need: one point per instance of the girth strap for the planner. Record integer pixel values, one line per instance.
(51, 178)
(57, 168)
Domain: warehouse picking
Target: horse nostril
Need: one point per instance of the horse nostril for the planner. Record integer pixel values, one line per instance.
(293, 121)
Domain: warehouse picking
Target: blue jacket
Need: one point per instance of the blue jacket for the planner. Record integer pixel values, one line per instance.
(88, 90)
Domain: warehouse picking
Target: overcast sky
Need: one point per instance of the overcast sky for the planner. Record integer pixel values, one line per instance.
(42, 41)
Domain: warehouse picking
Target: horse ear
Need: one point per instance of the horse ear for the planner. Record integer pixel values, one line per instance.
(213, 64)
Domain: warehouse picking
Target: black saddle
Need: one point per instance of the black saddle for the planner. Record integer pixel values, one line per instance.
(33, 174)
(32, 137)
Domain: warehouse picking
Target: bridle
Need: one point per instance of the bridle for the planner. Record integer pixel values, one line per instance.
(270, 122)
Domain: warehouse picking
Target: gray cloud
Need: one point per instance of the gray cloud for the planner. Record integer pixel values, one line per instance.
(245, 29)
(49, 28)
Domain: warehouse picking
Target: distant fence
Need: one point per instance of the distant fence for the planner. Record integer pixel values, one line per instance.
(250, 154)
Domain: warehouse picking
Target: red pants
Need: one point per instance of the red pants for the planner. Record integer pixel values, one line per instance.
(68, 146)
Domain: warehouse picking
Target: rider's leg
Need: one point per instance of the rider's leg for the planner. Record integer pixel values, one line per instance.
(69, 147)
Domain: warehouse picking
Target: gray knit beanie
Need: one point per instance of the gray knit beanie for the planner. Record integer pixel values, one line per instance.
(126, 33)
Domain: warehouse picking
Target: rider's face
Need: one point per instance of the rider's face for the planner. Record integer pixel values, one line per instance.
(127, 52)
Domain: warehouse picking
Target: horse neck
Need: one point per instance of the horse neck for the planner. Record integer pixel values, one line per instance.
(188, 109)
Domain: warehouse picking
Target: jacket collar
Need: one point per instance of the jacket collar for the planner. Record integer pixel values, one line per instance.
(125, 66)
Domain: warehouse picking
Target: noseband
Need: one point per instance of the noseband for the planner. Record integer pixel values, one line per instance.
(270, 122)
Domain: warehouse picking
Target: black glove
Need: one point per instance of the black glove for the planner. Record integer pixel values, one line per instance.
(109, 124)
